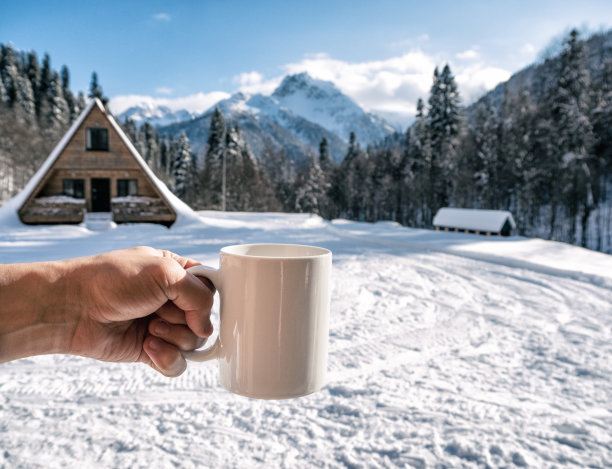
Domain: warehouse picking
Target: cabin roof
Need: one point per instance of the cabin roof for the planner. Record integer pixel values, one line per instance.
(174, 202)
(473, 219)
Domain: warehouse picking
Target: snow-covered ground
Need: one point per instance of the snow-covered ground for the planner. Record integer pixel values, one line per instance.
(446, 350)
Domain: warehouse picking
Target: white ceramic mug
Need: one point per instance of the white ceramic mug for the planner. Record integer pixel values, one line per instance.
(274, 316)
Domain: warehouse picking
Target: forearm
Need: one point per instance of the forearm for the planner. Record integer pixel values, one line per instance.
(37, 313)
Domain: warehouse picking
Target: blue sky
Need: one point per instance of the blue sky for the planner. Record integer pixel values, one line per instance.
(381, 53)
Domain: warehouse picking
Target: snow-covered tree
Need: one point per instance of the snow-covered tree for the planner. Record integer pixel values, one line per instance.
(215, 168)
(58, 113)
(34, 72)
(444, 126)
(95, 90)
(68, 96)
(3, 94)
(571, 116)
(311, 189)
(487, 165)
(182, 166)
(150, 145)
(416, 171)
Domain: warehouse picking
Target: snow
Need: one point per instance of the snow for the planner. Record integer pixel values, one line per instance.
(321, 102)
(8, 212)
(472, 219)
(136, 199)
(446, 350)
(10, 208)
(60, 199)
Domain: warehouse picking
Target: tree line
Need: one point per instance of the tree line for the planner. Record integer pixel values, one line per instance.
(545, 158)
(36, 108)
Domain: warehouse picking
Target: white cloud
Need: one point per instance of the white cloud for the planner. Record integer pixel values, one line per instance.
(248, 78)
(394, 85)
(162, 17)
(254, 82)
(475, 80)
(391, 86)
(164, 90)
(198, 102)
(469, 54)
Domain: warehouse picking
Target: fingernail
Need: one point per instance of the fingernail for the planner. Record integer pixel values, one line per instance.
(154, 344)
(162, 328)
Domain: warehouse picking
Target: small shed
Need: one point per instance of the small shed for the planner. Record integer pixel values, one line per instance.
(486, 222)
(96, 169)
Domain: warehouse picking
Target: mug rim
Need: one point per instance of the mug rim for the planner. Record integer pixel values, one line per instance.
(316, 251)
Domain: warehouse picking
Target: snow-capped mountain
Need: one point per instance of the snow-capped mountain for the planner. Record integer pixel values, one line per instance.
(155, 115)
(295, 117)
(321, 102)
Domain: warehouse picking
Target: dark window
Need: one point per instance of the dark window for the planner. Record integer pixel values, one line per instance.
(127, 187)
(74, 188)
(97, 139)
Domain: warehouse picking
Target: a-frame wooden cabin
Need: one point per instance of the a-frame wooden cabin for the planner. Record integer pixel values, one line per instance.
(96, 168)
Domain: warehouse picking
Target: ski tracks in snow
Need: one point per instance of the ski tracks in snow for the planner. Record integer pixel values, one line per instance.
(505, 363)
(437, 358)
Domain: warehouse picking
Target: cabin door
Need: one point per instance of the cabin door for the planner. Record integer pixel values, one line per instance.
(100, 195)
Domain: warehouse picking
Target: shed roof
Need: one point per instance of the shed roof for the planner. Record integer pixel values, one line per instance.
(473, 219)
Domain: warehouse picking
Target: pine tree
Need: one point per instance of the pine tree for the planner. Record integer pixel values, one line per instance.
(517, 126)
(10, 74)
(58, 114)
(215, 170)
(25, 98)
(416, 171)
(71, 101)
(3, 94)
(311, 189)
(353, 148)
(163, 154)
(326, 165)
(182, 167)
(130, 129)
(95, 90)
(570, 112)
(34, 75)
(150, 144)
(277, 173)
(444, 126)
(324, 157)
(45, 81)
(486, 165)
(348, 186)
(80, 102)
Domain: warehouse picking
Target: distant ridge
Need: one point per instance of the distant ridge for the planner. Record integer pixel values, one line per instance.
(295, 117)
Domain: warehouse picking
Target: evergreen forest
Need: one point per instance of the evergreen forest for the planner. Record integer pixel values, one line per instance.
(546, 156)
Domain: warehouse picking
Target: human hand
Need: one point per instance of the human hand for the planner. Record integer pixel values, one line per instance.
(137, 304)
(140, 304)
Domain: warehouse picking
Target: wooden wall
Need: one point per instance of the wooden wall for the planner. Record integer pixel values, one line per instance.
(76, 162)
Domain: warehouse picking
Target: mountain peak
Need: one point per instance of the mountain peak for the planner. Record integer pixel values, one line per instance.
(304, 83)
(321, 102)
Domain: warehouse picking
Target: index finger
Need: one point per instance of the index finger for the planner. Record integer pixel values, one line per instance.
(192, 296)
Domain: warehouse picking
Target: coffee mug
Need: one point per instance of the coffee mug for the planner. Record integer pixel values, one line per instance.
(274, 319)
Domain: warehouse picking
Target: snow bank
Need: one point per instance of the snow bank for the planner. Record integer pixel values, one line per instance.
(446, 350)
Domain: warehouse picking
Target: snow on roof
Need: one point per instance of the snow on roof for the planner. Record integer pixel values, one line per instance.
(473, 219)
(11, 207)
(180, 207)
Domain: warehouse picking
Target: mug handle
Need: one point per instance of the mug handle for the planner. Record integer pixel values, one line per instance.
(210, 353)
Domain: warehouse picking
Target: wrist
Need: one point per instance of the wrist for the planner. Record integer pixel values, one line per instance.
(37, 314)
